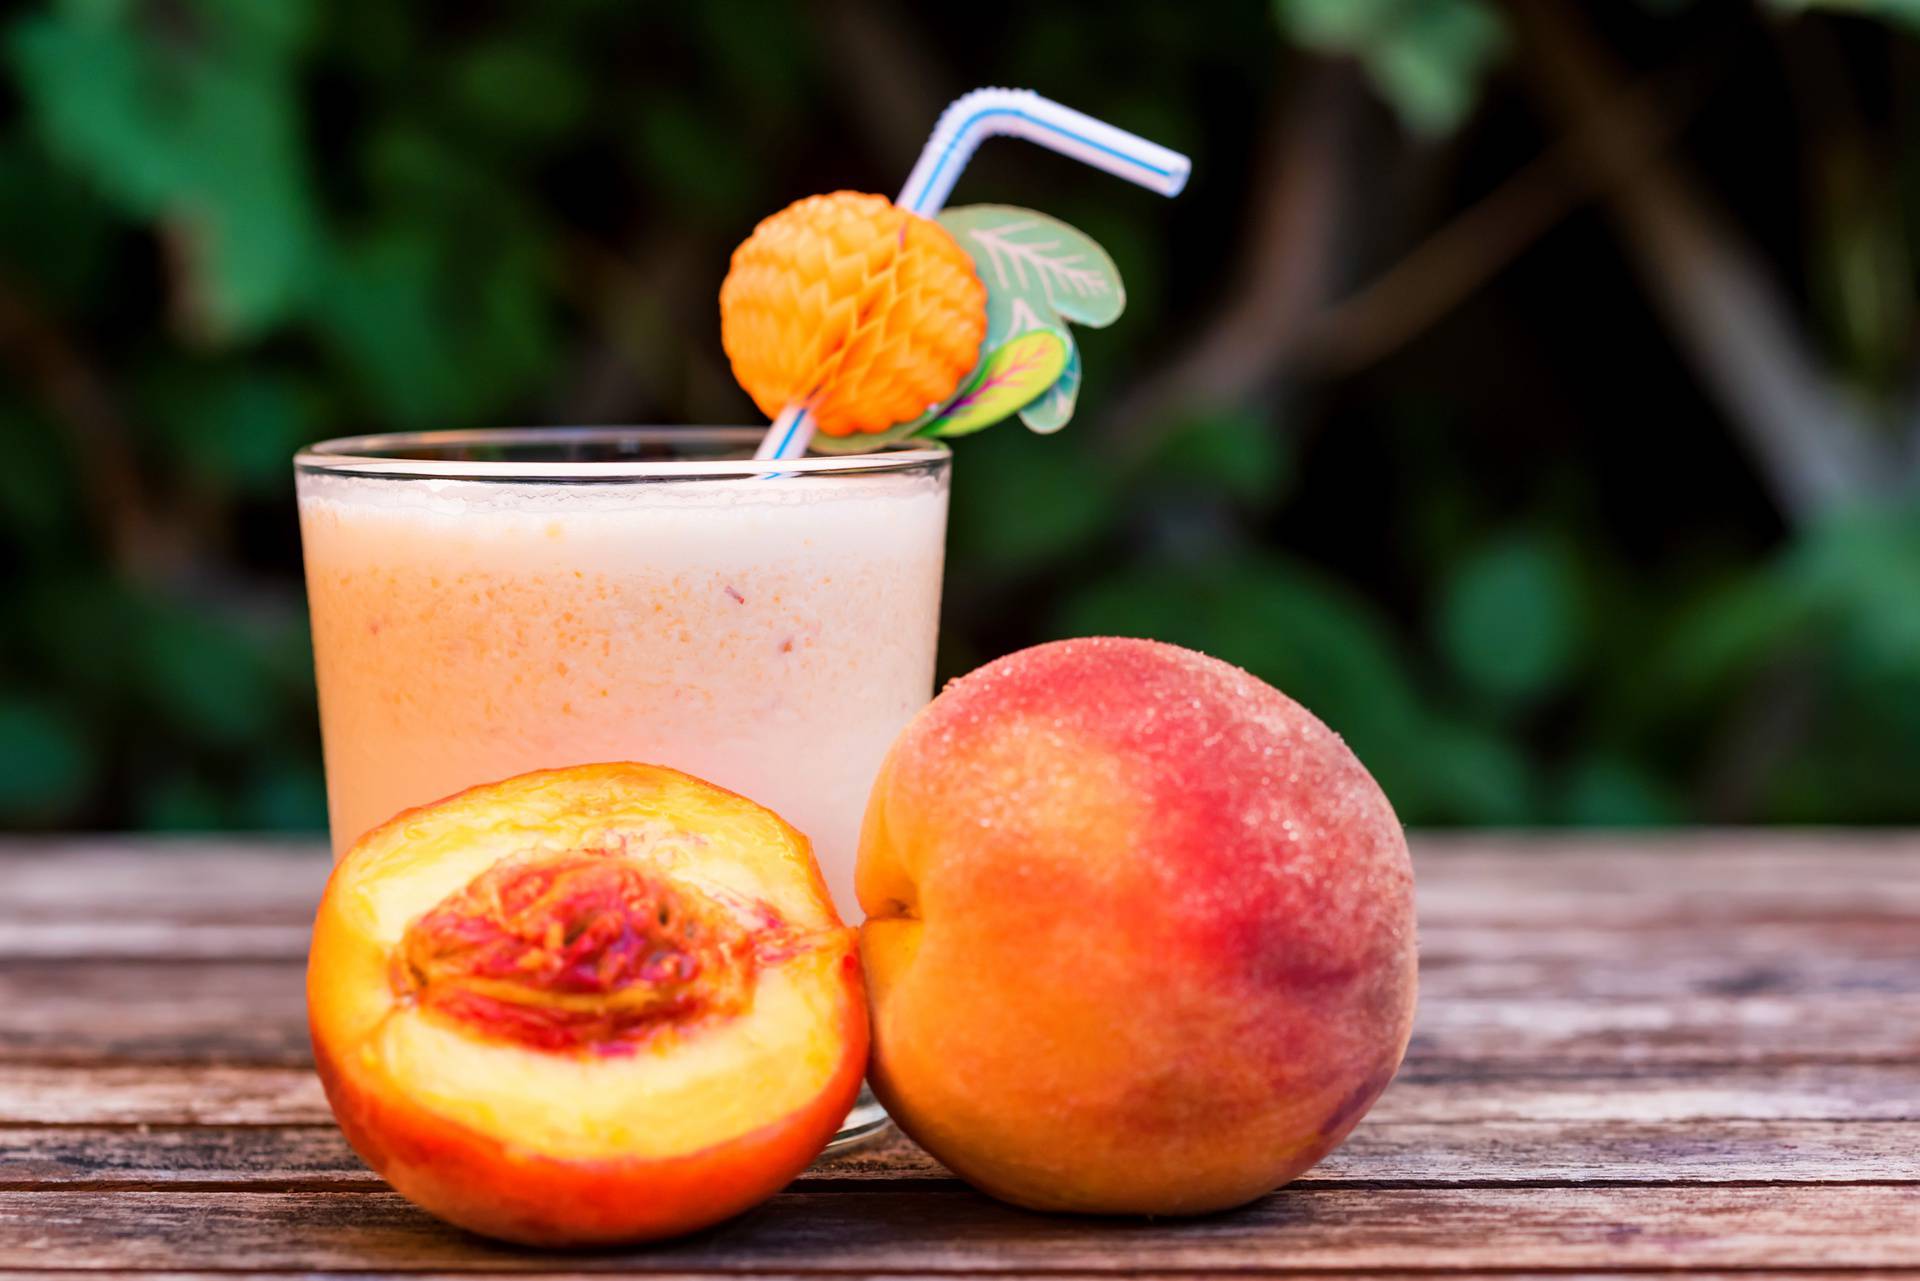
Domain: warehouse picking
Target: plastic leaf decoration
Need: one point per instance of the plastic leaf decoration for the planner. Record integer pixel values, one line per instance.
(1049, 411)
(1012, 375)
(1040, 274)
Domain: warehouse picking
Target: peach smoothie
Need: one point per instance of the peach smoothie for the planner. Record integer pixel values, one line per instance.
(771, 634)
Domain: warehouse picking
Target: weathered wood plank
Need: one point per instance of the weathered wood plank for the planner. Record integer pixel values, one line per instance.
(1278, 1270)
(189, 1093)
(244, 1012)
(214, 883)
(1760, 1029)
(159, 1094)
(1800, 959)
(1853, 1227)
(83, 1011)
(1453, 1093)
(215, 897)
(1698, 877)
(1688, 1053)
(1380, 1153)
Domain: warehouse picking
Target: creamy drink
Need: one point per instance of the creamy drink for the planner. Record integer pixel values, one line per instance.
(490, 603)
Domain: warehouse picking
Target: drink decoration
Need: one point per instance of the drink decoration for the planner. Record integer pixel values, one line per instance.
(857, 321)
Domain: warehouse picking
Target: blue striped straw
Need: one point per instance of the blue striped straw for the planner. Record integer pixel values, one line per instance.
(969, 121)
(1022, 113)
(788, 436)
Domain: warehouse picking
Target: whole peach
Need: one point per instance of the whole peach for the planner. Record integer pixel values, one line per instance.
(1140, 931)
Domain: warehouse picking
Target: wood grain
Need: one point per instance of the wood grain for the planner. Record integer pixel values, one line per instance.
(85, 1011)
(1667, 1054)
(185, 897)
(158, 1094)
(158, 898)
(909, 1231)
(1280, 1269)
(176, 1094)
(1505, 1153)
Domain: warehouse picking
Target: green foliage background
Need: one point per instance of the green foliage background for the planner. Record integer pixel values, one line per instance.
(231, 226)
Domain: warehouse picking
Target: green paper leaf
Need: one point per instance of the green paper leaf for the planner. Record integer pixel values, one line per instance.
(1040, 275)
(1011, 376)
(1049, 411)
(861, 442)
(1038, 270)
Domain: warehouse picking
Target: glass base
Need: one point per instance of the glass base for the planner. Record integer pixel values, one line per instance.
(867, 1122)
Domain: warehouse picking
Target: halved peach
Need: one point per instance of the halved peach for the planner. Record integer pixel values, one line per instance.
(603, 1004)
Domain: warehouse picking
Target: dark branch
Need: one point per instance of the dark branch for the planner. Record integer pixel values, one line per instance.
(76, 396)
(1814, 447)
(1446, 268)
(1286, 271)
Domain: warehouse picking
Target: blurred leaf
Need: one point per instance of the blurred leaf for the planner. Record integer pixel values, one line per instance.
(178, 801)
(1511, 619)
(79, 629)
(286, 796)
(1607, 791)
(1426, 57)
(199, 131)
(1227, 451)
(47, 765)
(235, 429)
(1904, 12)
(1724, 636)
(38, 500)
(768, 70)
(1863, 567)
(418, 173)
(53, 229)
(1471, 776)
(518, 90)
(432, 341)
(1021, 502)
(377, 310)
(85, 78)
(206, 677)
(686, 153)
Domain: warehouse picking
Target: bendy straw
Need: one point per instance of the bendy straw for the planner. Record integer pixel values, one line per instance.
(1022, 113)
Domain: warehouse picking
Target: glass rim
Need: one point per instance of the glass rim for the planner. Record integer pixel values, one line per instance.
(376, 456)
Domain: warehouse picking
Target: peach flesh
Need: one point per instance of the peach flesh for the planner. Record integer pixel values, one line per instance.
(1140, 933)
(586, 1006)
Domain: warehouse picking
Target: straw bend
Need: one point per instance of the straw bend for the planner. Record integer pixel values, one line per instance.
(1022, 113)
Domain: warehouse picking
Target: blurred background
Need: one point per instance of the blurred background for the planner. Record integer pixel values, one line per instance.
(1531, 389)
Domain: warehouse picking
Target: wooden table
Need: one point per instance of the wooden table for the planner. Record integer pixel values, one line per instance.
(1697, 1053)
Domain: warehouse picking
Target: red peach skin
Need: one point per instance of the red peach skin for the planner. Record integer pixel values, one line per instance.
(1140, 935)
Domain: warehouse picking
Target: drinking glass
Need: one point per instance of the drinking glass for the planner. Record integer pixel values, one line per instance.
(486, 603)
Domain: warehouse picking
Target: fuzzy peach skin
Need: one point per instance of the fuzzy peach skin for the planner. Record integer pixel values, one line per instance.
(585, 1006)
(1140, 933)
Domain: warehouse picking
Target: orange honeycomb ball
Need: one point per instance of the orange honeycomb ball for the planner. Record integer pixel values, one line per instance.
(847, 303)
